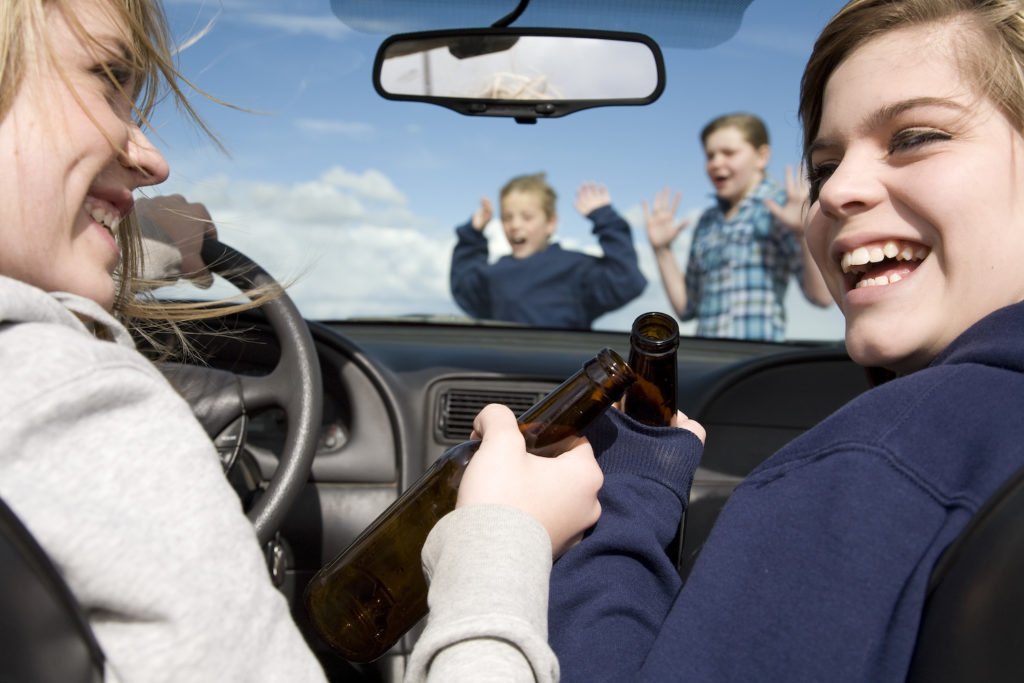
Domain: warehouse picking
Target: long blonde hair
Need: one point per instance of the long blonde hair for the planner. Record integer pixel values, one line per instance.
(22, 33)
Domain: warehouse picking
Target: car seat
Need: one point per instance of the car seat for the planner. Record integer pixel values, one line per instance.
(44, 634)
(972, 628)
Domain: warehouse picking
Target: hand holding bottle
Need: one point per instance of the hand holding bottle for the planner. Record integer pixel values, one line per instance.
(365, 599)
(681, 421)
(560, 493)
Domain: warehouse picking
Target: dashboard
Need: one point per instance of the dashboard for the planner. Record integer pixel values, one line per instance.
(398, 394)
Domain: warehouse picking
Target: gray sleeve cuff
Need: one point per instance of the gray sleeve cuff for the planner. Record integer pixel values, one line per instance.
(488, 568)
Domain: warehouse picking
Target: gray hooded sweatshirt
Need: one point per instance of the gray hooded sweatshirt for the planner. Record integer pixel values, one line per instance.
(108, 468)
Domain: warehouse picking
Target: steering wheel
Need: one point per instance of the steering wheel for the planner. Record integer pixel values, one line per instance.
(221, 400)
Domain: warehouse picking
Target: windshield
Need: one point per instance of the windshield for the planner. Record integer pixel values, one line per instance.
(354, 199)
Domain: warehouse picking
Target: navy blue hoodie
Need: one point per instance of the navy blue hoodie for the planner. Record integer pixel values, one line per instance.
(817, 567)
(554, 287)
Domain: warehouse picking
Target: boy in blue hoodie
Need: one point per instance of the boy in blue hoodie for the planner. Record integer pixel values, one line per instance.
(539, 283)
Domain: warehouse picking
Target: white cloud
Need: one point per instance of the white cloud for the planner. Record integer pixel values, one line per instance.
(372, 184)
(346, 239)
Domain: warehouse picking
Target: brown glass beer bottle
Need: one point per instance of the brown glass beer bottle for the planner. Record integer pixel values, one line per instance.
(653, 343)
(363, 601)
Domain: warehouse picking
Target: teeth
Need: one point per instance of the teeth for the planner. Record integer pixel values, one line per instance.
(877, 281)
(100, 216)
(876, 253)
(108, 219)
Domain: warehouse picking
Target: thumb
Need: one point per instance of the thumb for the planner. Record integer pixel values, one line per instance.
(204, 280)
(683, 224)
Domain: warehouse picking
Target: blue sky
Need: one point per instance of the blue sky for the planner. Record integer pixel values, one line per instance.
(354, 197)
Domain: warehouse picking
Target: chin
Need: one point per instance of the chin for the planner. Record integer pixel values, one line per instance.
(871, 349)
(885, 355)
(102, 292)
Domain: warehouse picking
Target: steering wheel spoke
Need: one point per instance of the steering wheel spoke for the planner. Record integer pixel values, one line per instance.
(230, 440)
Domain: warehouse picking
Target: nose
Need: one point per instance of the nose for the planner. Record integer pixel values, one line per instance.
(142, 157)
(853, 187)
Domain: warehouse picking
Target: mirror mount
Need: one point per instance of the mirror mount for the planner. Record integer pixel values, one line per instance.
(507, 20)
(520, 73)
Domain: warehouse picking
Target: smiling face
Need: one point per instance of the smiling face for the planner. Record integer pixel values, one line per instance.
(70, 158)
(734, 166)
(527, 225)
(919, 223)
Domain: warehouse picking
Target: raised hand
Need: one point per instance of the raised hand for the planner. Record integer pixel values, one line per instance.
(660, 219)
(483, 215)
(792, 214)
(591, 196)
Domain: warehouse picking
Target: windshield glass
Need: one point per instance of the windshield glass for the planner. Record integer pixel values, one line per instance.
(354, 199)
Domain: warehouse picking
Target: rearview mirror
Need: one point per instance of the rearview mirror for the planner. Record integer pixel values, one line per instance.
(519, 72)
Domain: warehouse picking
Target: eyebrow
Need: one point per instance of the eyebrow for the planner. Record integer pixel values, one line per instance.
(121, 51)
(113, 46)
(887, 113)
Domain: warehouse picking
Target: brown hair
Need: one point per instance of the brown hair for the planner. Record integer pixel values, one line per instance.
(535, 183)
(991, 51)
(752, 127)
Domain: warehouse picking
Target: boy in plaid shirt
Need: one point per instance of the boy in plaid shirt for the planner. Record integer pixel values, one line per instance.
(745, 247)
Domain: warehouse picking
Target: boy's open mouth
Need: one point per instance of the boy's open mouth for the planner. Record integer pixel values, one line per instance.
(881, 263)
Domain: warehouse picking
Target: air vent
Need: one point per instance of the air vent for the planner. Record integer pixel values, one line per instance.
(458, 407)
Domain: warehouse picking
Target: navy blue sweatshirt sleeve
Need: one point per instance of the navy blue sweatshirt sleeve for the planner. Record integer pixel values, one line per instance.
(803, 578)
(614, 279)
(468, 272)
(610, 593)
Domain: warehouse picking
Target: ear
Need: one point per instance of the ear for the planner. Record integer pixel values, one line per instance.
(552, 225)
(764, 155)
